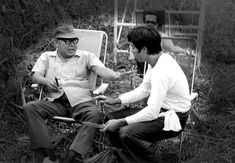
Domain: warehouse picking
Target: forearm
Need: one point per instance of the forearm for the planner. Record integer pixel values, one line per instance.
(172, 48)
(133, 96)
(123, 122)
(178, 49)
(116, 101)
(38, 78)
(168, 45)
(146, 114)
(107, 73)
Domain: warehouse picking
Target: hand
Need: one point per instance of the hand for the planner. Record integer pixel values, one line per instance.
(126, 75)
(114, 124)
(187, 51)
(52, 86)
(107, 100)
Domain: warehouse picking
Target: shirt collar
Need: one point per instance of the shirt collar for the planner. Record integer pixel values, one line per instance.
(54, 53)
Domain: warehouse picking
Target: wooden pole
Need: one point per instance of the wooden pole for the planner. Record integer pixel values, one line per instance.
(200, 31)
(115, 31)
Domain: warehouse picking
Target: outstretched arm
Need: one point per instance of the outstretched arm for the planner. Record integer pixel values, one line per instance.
(108, 100)
(112, 124)
(109, 74)
(168, 45)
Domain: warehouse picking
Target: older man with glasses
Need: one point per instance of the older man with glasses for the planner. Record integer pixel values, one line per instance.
(65, 73)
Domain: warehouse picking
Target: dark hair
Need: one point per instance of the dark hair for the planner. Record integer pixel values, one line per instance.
(145, 36)
(160, 15)
(63, 29)
(149, 13)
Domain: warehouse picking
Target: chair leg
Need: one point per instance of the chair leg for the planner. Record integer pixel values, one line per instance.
(181, 142)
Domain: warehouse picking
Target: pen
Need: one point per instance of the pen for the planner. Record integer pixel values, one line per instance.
(56, 80)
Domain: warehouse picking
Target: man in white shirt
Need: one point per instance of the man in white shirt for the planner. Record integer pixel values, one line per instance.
(156, 18)
(65, 73)
(169, 100)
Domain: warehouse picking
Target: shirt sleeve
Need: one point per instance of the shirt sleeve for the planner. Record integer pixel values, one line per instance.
(140, 92)
(41, 64)
(159, 87)
(94, 61)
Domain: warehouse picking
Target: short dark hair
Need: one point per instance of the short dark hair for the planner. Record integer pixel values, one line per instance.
(145, 36)
(160, 15)
(149, 13)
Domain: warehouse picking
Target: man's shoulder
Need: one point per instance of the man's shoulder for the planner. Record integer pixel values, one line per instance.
(166, 60)
(49, 54)
(163, 34)
(84, 53)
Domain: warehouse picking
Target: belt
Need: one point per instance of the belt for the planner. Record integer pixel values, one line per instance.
(178, 113)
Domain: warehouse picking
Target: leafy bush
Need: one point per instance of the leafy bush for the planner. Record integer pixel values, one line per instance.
(25, 31)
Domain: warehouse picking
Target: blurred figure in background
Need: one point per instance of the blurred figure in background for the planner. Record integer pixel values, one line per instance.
(156, 19)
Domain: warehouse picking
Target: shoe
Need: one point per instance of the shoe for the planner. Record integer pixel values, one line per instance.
(47, 160)
(78, 159)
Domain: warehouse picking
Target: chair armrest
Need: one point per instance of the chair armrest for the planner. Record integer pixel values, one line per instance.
(34, 86)
(101, 89)
(64, 119)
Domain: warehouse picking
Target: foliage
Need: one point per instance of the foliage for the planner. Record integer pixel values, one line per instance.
(25, 31)
(219, 35)
(27, 21)
(218, 53)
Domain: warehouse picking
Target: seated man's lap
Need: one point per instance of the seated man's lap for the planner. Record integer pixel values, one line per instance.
(153, 130)
(45, 108)
(87, 111)
(122, 113)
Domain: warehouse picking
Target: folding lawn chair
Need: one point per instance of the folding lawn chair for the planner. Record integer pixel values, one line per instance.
(188, 63)
(92, 41)
(96, 42)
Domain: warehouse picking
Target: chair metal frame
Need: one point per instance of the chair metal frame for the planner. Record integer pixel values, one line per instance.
(132, 9)
(88, 39)
(192, 63)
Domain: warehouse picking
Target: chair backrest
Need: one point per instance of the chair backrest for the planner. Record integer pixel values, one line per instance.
(187, 61)
(92, 41)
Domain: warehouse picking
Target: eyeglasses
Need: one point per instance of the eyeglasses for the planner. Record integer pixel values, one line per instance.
(150, 22)
(69, 41)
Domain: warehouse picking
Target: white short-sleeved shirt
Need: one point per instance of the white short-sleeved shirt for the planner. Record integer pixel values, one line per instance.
(73, 74)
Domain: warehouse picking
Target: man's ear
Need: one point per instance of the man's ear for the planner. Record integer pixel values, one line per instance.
(55, 42)
(145, 50)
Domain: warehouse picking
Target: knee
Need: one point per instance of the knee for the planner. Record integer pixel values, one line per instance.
(94, 114)
(125, 133)
(29, 107)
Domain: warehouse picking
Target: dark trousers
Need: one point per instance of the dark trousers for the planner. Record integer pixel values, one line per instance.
(37, 111)
(137, 138)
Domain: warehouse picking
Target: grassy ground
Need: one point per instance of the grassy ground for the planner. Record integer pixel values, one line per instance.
(208, 137)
